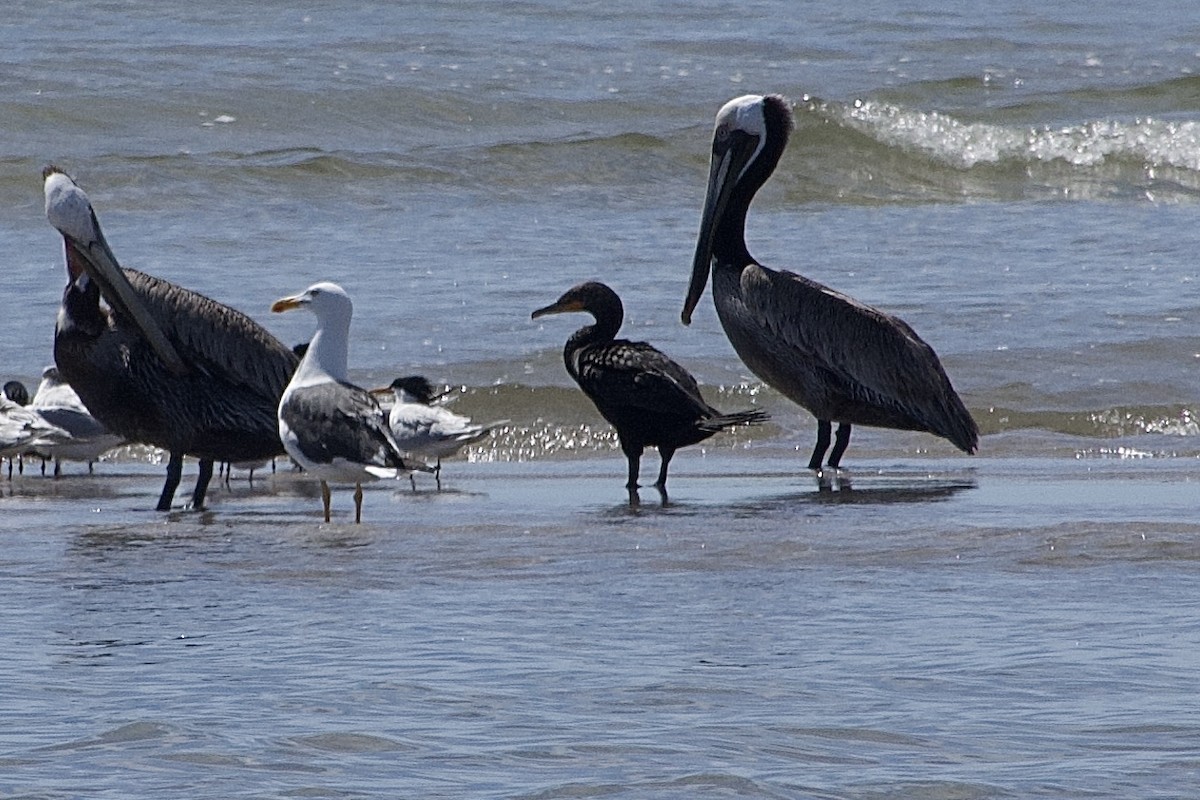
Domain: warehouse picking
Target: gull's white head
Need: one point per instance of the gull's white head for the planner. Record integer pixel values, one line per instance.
(68, 207)
(326, 300)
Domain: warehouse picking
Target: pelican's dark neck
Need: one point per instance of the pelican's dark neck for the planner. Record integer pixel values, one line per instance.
(80, 310)
(729, 244)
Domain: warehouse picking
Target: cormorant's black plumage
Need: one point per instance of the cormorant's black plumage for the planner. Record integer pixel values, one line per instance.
(650, 400)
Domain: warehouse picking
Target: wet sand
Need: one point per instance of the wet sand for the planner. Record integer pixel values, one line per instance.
(1008, 509)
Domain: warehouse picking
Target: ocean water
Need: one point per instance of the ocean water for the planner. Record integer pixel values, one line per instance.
(1017, 181)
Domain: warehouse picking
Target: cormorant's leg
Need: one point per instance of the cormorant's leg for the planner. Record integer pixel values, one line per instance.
(437, 473)
(57, 468)
(206, 470)
(840, 443)
(666, 453)
(412, 479)
(325, 498)
(357, 503)
(635, 499)
(43, 467)
(824, 429)
(174, 473)
(634, 454)
(91, 468)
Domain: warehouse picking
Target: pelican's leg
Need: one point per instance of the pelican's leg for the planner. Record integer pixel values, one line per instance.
(666, 453)
(325, 498)
(437, 473)
(824, 429)
(412, 479)
(841, 441)
(174, 473)
(357, 503)
(206, 470)
(57, 468)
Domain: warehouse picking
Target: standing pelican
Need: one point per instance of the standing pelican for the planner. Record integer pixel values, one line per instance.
(840, 359)
(332, 428)
(160, 364)
(647, 397)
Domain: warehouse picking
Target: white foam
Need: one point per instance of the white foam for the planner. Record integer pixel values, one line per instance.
(967, 144)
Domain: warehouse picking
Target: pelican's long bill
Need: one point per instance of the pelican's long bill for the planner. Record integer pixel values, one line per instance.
(70, 211)
(732, 151)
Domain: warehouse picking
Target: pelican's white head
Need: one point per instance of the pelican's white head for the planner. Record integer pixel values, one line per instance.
(68, 207)
(744, 114)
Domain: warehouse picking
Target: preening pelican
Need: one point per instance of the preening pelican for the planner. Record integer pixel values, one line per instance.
(840, 359)
(157, 363)
(335, 430)
(647, 397)
(423, 429)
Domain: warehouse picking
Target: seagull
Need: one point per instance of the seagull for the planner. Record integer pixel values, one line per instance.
(332, 428)
(426, 430)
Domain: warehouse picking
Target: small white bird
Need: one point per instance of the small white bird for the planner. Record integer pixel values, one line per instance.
(59, 405)
(426, 430)
(332, 428)
(23, 429)
(16, 392)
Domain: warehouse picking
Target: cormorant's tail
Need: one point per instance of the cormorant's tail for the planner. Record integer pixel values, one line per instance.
(754, 416)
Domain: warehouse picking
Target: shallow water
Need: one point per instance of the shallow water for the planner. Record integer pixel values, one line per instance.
(992, 630)
(1018, 182)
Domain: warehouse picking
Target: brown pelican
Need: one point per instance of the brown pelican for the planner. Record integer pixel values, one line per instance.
(332, 428)
(160, 364)
(840, 359)
(426, 430)
(647, 397)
